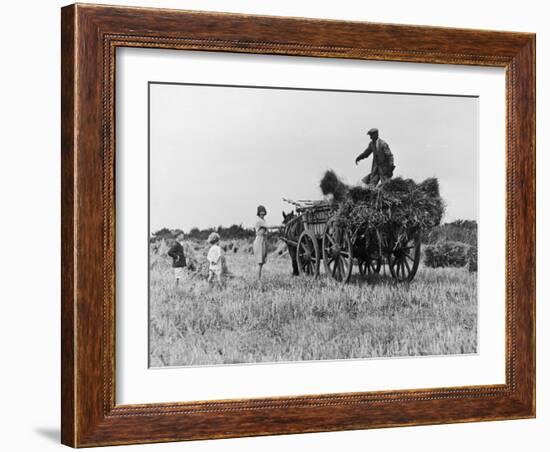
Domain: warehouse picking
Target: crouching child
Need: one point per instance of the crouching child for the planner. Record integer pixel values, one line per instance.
(178, 258)
(215, 259)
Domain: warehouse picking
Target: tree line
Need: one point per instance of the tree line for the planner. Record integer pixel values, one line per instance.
(233, 232)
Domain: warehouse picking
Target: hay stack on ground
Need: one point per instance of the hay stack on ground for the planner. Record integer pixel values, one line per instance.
(399, 205)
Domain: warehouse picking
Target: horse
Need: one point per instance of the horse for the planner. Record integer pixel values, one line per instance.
(292, 228)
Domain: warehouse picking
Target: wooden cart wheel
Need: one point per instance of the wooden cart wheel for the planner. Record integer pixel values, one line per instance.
(308, 255)
(370, 266)
(403, 260)
(337, 252)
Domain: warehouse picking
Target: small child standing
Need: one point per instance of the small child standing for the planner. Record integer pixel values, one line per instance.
(178, 257)
(215, 259)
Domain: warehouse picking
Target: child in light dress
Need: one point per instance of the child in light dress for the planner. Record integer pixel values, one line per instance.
(215, 259)
(260, 242)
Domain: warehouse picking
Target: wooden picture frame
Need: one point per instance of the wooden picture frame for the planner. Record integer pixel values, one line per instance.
(90, 35)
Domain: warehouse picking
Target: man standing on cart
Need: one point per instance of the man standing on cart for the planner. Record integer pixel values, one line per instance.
(382, 160)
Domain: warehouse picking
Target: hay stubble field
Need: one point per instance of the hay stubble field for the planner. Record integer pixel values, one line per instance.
(298, 319)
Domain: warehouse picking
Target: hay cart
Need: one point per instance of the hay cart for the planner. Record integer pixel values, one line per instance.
(317, 236)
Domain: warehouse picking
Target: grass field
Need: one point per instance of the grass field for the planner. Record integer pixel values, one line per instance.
(296, 318)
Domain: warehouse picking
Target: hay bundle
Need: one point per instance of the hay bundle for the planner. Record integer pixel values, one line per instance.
(331, 185)
(400, 205)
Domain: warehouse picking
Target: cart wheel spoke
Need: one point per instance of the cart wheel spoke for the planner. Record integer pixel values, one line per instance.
(408, 266)
(404, 260)
(335, 269)
(307, 254)
(337, 252)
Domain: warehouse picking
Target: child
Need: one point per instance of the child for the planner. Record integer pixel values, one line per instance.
(215, 259)
(178, 257)
(260, 242)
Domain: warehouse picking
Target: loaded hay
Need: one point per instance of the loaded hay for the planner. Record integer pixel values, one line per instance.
(331, 185)
(397, 206)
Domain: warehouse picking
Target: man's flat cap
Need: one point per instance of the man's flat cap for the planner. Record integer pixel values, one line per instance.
(373, 130)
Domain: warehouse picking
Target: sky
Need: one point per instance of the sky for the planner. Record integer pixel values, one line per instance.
(218, 152)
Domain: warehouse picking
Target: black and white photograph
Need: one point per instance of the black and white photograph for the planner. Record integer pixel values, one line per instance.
(294, 224)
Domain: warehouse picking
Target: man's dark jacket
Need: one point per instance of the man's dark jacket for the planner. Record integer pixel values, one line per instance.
(382, 159)
(177, 255)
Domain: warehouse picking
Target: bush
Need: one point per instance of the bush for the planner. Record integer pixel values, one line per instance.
(472, 259)
(464, 231)
(446, 254)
